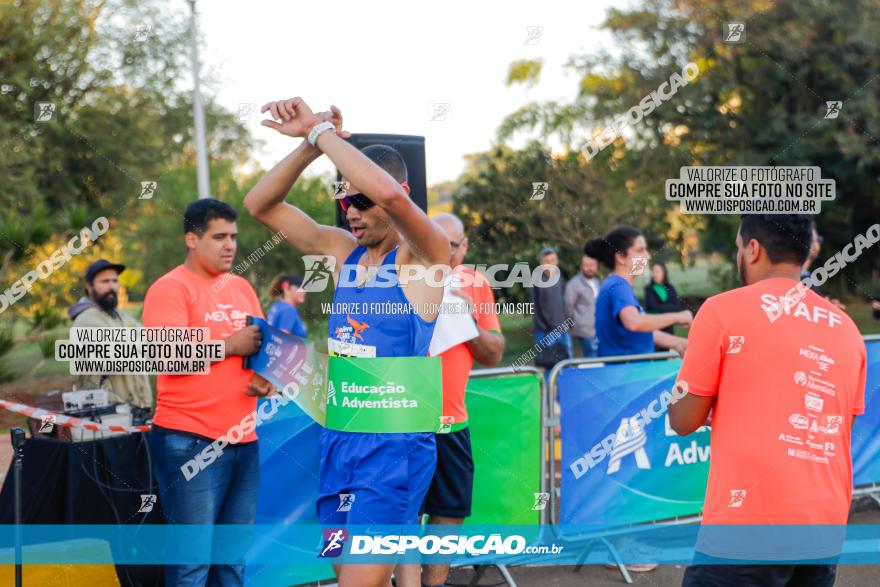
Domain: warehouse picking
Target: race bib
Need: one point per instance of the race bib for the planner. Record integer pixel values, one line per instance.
(338, 348)
(386, 394)
(358, 392)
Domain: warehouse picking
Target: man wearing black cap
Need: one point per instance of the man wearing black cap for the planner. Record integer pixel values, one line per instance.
(99, 309)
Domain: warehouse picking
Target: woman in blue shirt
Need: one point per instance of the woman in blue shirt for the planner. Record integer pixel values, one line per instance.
(283, 313)
(622, 326)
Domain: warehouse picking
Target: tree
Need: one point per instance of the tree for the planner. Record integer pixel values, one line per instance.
(112, 70)
(758, 103)
(508, 223)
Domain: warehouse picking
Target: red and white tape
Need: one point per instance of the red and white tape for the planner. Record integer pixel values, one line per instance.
(68, 421)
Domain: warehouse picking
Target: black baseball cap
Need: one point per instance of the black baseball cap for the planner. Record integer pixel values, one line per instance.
(99, 265)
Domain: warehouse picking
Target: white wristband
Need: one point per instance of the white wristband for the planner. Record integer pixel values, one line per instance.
(318, 129)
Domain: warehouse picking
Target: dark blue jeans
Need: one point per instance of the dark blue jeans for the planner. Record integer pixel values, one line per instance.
(759, 576)
(563, 339)
(589, 346)
(225, 492)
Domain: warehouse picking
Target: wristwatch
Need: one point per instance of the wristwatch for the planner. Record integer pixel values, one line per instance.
(318, 129)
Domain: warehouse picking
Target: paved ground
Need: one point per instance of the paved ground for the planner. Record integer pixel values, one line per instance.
(664, 576)
(565, 576)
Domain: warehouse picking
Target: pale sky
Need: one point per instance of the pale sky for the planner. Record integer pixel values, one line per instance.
(386, 63)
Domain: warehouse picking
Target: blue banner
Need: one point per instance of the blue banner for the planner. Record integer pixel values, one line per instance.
(865, 439)
(301, 546)
(288, 489)
(288, 360)
(621, 463)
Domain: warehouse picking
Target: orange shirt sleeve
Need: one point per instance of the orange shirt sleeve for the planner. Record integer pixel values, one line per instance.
(701, 368)
(165, 304)
(859, 405)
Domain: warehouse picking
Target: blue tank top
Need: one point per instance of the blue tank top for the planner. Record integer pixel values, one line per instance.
(375, 321)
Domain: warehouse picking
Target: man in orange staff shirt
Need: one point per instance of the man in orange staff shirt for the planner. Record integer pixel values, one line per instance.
(783, 372)
(202, 479)
(449, 497)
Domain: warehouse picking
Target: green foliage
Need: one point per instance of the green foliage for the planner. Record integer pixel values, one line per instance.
(583, 201)
(757, 103)
(47, 346)
(525, 71)
(723, 276)
(5, 374)
(16, 233)
(157, 246)
(109, 87)
(112, 69)
(46, 317)
(7, 339)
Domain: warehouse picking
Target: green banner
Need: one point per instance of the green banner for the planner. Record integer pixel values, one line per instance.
(505, 423)
(388, 394)
(354, 394)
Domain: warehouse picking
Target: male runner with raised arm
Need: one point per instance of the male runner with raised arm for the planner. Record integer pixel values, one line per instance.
(387, 473)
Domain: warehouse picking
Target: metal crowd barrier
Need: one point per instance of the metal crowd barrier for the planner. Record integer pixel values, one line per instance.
(553, 419)
(871, 490)
(479, 569)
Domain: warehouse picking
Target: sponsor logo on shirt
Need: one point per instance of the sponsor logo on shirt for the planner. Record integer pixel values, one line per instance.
(813, 383)
(340, 348)
(791, 439)
(832, 424)
(799, 421)
(813, 402)
(351, 332)
(226, 313)
(814, 353)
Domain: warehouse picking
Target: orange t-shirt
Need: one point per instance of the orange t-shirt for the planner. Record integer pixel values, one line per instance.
(785, 395)
(458, 361)
(207, 405)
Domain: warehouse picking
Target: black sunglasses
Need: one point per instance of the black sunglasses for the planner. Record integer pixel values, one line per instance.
(359, 201)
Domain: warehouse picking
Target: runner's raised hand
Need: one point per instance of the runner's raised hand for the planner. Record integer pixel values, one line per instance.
(334, 115)
(297, 119)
